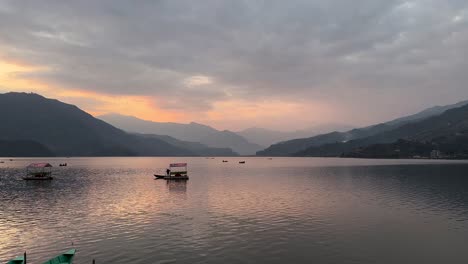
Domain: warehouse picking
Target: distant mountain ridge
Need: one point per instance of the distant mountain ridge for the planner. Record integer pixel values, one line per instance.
(267, 137)
(195, 147)
(446, 132)
(192, 132)
(66, 130)
(296, 146)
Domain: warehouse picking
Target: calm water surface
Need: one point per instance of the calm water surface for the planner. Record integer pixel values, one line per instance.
(284, 210)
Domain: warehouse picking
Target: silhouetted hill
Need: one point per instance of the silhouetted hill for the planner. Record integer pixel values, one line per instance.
(267, 137)
(23, 148)
(192, 132)
(333, 140)
(450, 147)
(448, 130)
(68, 131)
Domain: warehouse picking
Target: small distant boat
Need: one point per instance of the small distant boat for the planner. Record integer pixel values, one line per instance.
(2, 161)
(38, 171)
(63, 164)
(241, 162)
(179, 174)
(225, 161)
(65, 258)
(18, 260)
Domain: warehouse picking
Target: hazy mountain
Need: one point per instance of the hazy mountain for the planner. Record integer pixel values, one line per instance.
(267, 137)
(192, 132)
(195, 147)
(23, 148)
(230, 139)
(68, 131)
(447, 131)
(291, 147)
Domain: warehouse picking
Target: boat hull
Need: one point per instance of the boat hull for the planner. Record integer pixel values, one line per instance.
(65, 258)
(171, 178)
(18, 260)
(29, 178)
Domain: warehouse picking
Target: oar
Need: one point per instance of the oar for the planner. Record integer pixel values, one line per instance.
(25, 257)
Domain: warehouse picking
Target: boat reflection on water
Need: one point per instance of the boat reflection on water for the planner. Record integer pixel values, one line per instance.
(177, 187)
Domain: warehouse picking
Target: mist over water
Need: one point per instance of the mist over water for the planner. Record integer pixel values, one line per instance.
(294, 210)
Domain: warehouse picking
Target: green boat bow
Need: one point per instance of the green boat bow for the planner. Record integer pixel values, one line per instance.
(65, 258)
(17, 260)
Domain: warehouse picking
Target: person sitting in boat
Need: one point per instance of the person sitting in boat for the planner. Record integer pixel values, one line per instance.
(168, 172)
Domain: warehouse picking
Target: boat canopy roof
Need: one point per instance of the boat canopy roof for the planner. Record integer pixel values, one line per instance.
(39, 165)
(175, 165)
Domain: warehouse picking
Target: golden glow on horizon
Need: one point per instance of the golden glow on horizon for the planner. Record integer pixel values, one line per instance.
(94, 103)
(269, 113)
(232, 114)
(140, 106)
(9, 81)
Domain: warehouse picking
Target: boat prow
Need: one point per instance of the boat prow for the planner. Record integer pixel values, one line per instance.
(172, 178)
(65, 258)
(17, 260)
(34, 178)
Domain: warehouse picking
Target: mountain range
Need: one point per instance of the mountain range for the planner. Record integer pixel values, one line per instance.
(55, 128)
(33, 125)
(267, 137)
(193, 132)
(446, 133)
(335, 143)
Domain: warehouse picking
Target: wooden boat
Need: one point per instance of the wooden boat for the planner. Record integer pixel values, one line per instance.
(38, 171)
(17, 260)
(241, 162)
(158, 176)
(176, 172)
(172, 178)
(65, 258)
(175, 177)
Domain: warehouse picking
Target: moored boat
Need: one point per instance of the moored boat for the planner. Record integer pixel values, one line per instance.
(38, 171)
(65, 258)
(175, 172)
(18, 260)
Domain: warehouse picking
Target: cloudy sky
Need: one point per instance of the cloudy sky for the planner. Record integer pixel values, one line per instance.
(239, 63)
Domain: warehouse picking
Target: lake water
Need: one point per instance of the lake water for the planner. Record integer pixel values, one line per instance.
(284, 210)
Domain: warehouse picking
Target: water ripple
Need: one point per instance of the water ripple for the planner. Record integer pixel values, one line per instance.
(293, 210)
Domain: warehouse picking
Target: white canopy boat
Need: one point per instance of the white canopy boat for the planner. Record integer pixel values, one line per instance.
(38, 171)
(176, 171)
